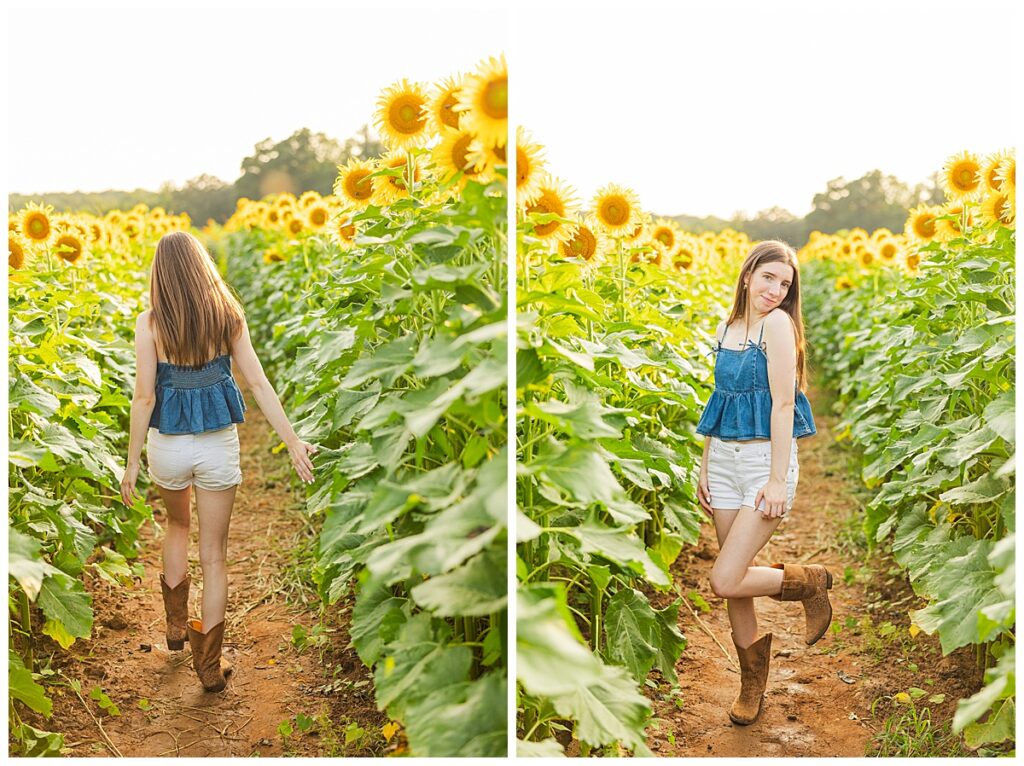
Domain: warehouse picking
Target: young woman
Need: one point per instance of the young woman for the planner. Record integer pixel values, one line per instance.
(186, 395)
(749, 469)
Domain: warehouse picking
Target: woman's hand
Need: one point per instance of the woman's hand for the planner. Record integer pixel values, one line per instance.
(300, 452)
(128, 492)
(704, 492)
(774, 495)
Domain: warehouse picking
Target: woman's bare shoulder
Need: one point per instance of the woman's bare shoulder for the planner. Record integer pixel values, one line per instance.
(144, 321)
(778, 322)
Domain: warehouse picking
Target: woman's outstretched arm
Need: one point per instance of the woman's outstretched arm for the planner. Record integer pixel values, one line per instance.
(266, 397)
(143, 401)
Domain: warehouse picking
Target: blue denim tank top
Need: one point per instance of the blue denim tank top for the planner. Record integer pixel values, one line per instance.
(740, 407)
(193, 400)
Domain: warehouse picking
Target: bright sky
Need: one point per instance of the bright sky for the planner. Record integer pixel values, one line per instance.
(715, 110)
(121, 99)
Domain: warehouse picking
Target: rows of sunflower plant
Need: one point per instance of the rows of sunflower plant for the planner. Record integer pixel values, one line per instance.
(76, 285)
(615, 315)
(380, 313)
(922, 357)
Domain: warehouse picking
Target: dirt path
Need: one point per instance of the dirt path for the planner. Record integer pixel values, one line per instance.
(163, 708)
(809, 710)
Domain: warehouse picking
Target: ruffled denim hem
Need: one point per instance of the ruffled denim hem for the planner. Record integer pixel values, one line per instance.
(195, 410)
(741, 415)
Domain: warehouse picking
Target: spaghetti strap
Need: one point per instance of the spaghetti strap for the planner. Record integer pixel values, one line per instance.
(760, 335)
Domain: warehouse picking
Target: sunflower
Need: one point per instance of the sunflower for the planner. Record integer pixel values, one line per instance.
(640, 234)
(15, 252)
(685, 256)
(295, 225)
(865, 258)
(844, 283)
(665, 234)
(484, 102)
(307, 198)
(451, 156)
(272, 255)
(69, 245)
(271, 218)
(947, 229)
(616, 209)
(344, 231)
(133, 226)
(990, 171)
(35, 223)
(998, 208)
(388, 188)
(858, 235)
(585, 242)
(888, 250)
(441, 114)
(353, 184)
(485, 159)
(317, 215)
(557, 198)
(879, 234)
(529, 167)
(401, 116)
(921, 223)
(912, 262)
(1007, 173)
(961, 176)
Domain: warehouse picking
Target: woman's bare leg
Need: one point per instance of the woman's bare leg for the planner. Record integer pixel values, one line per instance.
(741, 534)
(175, 550)
(214, 510)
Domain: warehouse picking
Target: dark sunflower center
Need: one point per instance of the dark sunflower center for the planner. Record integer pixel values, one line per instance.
(405, 115)
(449, 117)
(358, 185)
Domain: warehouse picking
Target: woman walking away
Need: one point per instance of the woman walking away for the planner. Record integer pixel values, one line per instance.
(749, 470)
(186, 394)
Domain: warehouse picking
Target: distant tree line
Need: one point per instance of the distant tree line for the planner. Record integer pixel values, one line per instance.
(305, 160)
(872, 201)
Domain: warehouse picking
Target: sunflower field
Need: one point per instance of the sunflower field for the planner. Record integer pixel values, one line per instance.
(380, 312)
(922, 357)
(613, 308)
(76, 285)
(913, 329)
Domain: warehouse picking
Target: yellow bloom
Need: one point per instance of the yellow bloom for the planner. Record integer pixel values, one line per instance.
(15, 252)
(317, 215)
(441, 113)
(295, 225)
(947, 229)
(640, 234)
(585, 242)
(272, 255)
(484, 102)
(616, 209)
(307, 198)
(961, 176)
(353, 184)
(1007, 173)
(529, 167)
(865, 257)
(451, 156)
(921, 223)
(888, 250)
(35, 222)
(401, 116)
(389, 188)
(844, 283)
(557, 198)
(990, 171)
(665, 234)
(912, 262)
(344, 231)
(69, 246)
(998, 208)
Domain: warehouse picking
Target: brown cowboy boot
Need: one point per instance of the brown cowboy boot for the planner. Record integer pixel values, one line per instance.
(809, 585)
(176, 610)
(753, 678)
(210, 666)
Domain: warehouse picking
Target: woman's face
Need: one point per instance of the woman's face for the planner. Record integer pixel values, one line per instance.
(768, 286)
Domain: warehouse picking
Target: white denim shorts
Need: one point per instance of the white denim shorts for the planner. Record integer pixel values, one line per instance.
(738, 470)
(209, 460)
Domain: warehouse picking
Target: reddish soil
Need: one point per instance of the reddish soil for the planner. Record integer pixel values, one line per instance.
(272, 682)
(809, 709)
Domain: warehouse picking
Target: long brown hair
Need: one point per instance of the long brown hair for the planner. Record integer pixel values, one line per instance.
(195, 313)
(774, 251)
